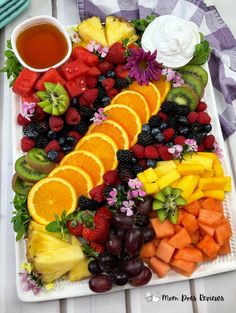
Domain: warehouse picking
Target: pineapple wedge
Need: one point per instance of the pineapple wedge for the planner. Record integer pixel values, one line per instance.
(117, 30)
(92, 29)
(80, 270)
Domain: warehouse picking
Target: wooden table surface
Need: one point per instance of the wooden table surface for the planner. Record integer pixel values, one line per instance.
(121, 302)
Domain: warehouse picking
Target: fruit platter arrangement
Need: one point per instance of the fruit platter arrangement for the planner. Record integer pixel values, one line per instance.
(121, 178)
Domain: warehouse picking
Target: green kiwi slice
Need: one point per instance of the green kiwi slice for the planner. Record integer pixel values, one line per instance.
(194, 83)
(183, 96)
(198, 71)
(37, 159)
(20, 186)
(26, 172)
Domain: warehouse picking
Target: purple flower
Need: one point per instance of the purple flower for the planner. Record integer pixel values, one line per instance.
(176, 150)
(127, 207)
(28, 283)
(178, 80)
(112, 199)
(142, 66)
(192, 145)
(134, 183)
(99, 117)
(217, 150)
(173, 76)
(28, 109)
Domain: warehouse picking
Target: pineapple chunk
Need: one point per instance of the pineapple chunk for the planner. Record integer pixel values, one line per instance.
(142, 178)
(118, 30)
(210, 173)
(228, 185)
(197, 159)
(212, 183)
(219, 171)
(92, 29)
(80, 270)
(150, 175)
(190, 169)
(150, 188)
(196, 195)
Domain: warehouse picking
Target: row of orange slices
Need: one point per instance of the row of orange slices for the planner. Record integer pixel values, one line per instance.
(82, 169)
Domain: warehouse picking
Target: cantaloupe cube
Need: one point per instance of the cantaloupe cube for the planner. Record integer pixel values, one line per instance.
(210, 173)
(191, 254)
(159, 267)
(164, 169)
(225, 249)
(206, 229)
(209, 246)
(190, 169)
(168, 178)
(188, 184)
(209, 217)
(150, 188)
(181, 239)
(142, 178)
(195, 237)
(228, 184)
(223, 233)
(148, 250)
(207, 163)
(190, 223)
(219, 171)
(217, 194)
(193, 208)
(165, 250)
(185, 266)
(196, 195)
(212, 183)
(162, 230)
(150, 175)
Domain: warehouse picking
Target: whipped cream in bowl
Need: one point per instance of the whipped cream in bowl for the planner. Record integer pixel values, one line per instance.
(174, 39)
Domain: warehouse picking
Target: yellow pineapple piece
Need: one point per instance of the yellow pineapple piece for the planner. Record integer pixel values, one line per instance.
(80, 270)
(151, 188)
(211, 183)
(217, 194)
(175, 183)
(196, 195)
(188, 184)
(219, 171)
(92, 29)
(209, 155)
(142, 178)
(197, 159)
(118, 29)
(150, 175)
(168, 178)
(164, 169)
(210, 173)
(190, 169)
(228, 185)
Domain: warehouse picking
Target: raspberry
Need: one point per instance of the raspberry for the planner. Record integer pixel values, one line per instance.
(168, 134)
(143, 163)
(112, 92)
(60, 156)
(27, 144)
(121, 72)
(98, 247)
(179, 140)
(72, 116)
(90, 95)
(163, 116)
(201, 148)
(97, 193)
(192, 117)
(91, 82)
(22, 121)
(56, 123)
(75, 134)
(150, 152)
(52, 145)
(110, 177)
(202, 106)
(203, 118)
(108, 83)
(104, 66)
(164, 153)
(39, 114)
(208, 142)
(138, 151)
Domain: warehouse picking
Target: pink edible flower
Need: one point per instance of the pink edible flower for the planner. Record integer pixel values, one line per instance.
(28, 109)
(217, 150)
(176, 150)
(112, 199)
(173, 76)
(192, 145)
(28, 283)
(127, 207)
(99, 117)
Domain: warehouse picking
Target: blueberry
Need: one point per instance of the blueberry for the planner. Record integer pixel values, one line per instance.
(163, 126)
(134, 160)
(183, 120)
(75, 101)
(101, 78)
(146, 128)
(208, 128)
(52, 134)
(111, 74)
(70, 140)
(53, 155)
(159, 137)
(155, 131)
(105, 100)
(151, 163)
(62, 140)
(184, 131)
(66, 148)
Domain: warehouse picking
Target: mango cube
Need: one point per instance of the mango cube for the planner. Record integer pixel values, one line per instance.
(190, 169)
(210, 173)
(164, 169)
(207, 163)
(168, 178)
(217, 194)
(175, 183)
(209, 155)
(151, 188)
(161, 163)
(219, 171)
(188, 184)
(228, 186)
(150, 175)
(196, 195)
(211, 183)
(142, 178)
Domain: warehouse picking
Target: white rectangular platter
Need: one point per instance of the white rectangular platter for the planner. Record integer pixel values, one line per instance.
(66, 289)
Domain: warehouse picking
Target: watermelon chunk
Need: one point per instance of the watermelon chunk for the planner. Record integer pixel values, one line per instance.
(51, 76)
(76, 87)
(25, 82)
(84, 55)
(73, 69)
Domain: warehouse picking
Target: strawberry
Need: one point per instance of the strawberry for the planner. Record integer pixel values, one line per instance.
(75, 229)
(90, 95)
(108, 83)
(99, 233)
(103, 212)
(91, 82)
(150, 152)
(104, 66)
(97, 193)
(121, 72)
(116, 54)
(138, 151)
(72, 116)
(110, 177)
(98, 247)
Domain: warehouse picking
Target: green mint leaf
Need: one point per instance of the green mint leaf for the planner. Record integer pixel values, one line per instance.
(9, 46)
(21, 233)
(53, 227)
(150, 18)
(202, 52)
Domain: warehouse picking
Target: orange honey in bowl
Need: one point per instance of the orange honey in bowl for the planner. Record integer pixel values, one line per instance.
(42, 45)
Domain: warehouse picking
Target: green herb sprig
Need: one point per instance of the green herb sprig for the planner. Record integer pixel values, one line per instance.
(12, 66)
(141, 24)
(59, 226)
(202, 52)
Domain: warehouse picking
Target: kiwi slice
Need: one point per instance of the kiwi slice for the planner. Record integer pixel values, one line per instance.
(183, 96)
(194, 83)
(197, 71)
(37, 159)
(26, 172)
(20, 186)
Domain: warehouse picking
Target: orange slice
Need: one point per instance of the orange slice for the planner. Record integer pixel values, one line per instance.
(103, 146)
(49, 197)
(87, 161)
(135, 101)
(163, 86)
(114, 130)
(76, 176)
(151, 94)
(127, 118)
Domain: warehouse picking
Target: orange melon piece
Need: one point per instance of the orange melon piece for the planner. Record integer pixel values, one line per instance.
(195, 237)
(191, 254)
(209, 204)
(159, 267)
(190, 223)
(162, 230)
(206, 229)
(148, 250)
(209, 246)
(209, 217)
(165, 250)
(181, 239)
(225, 249)
(223, 233)
(185, 266)
(193, 208)
(177, 228)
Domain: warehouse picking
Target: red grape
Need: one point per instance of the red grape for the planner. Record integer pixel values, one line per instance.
(133, 241)
(142, 278)
(120, 278)
(114, 245)
(94, 267)
(145, 206)
(106, 261)
(133, 267)
(148, 234)
(100, 283)
(123, 221)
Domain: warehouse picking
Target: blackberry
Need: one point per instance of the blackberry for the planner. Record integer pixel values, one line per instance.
(42, 127)
(31, 131)
(199, 137)
(196, 127)
(125, 156)
(137, 169)
(145, 139)
(85, 203)
(155, 121)
(183, 120)
(173, 121)
(207, 128)
(125, 165)
(101, 94)
(107, 190)
(122, 83)
(125, 174)
(86, 113)
(81, 127)
(41, 142)
(182, 110)
(168, 107)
